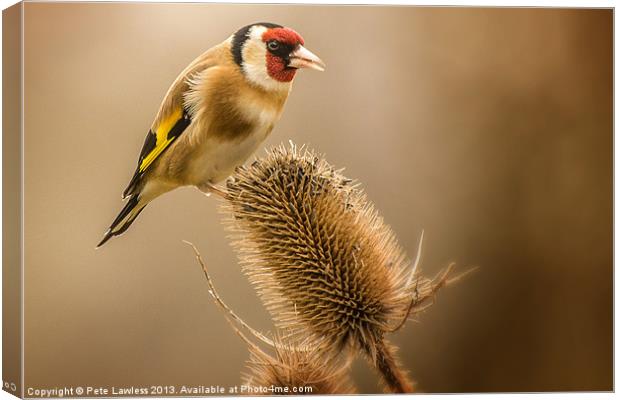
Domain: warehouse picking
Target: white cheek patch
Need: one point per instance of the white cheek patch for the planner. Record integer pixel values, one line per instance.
(255, 61)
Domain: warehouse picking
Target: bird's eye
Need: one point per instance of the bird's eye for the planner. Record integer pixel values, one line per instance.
(273, 45)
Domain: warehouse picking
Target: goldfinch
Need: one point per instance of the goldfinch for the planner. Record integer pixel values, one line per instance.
(215, 115)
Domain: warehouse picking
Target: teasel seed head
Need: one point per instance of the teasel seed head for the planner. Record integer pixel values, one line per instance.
(298, 366)
(321, 258)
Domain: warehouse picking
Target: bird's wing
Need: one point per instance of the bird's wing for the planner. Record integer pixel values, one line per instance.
(166, 132)
(172, 120)
(157, 141)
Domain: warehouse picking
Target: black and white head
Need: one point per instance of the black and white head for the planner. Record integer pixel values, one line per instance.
(270, 55)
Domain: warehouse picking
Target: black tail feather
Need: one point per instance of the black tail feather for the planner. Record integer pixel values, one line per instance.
(133, 183)
(115, 229)
(108, 235)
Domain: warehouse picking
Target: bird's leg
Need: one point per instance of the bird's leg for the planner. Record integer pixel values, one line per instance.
(207, 188)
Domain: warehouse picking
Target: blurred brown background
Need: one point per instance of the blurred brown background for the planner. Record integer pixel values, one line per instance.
(489, 128)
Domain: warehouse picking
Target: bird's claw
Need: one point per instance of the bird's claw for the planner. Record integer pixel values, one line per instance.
(208, 188)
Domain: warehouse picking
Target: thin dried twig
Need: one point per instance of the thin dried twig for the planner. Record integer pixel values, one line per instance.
(292, 365)
(221, 303)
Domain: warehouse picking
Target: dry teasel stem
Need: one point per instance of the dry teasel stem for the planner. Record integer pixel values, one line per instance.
(293, 367)
(322, 259)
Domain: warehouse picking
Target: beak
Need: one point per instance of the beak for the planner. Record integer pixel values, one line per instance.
(304, 58)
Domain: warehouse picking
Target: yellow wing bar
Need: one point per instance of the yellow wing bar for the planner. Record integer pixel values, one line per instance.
(162, 138)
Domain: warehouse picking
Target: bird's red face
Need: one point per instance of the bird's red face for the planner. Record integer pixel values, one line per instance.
(281, 43)
(271, 54)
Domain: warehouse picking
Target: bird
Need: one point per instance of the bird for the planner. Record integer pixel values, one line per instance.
(215, 115)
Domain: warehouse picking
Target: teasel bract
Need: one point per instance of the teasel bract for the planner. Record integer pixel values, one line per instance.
(293, 367)
(321, 258)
